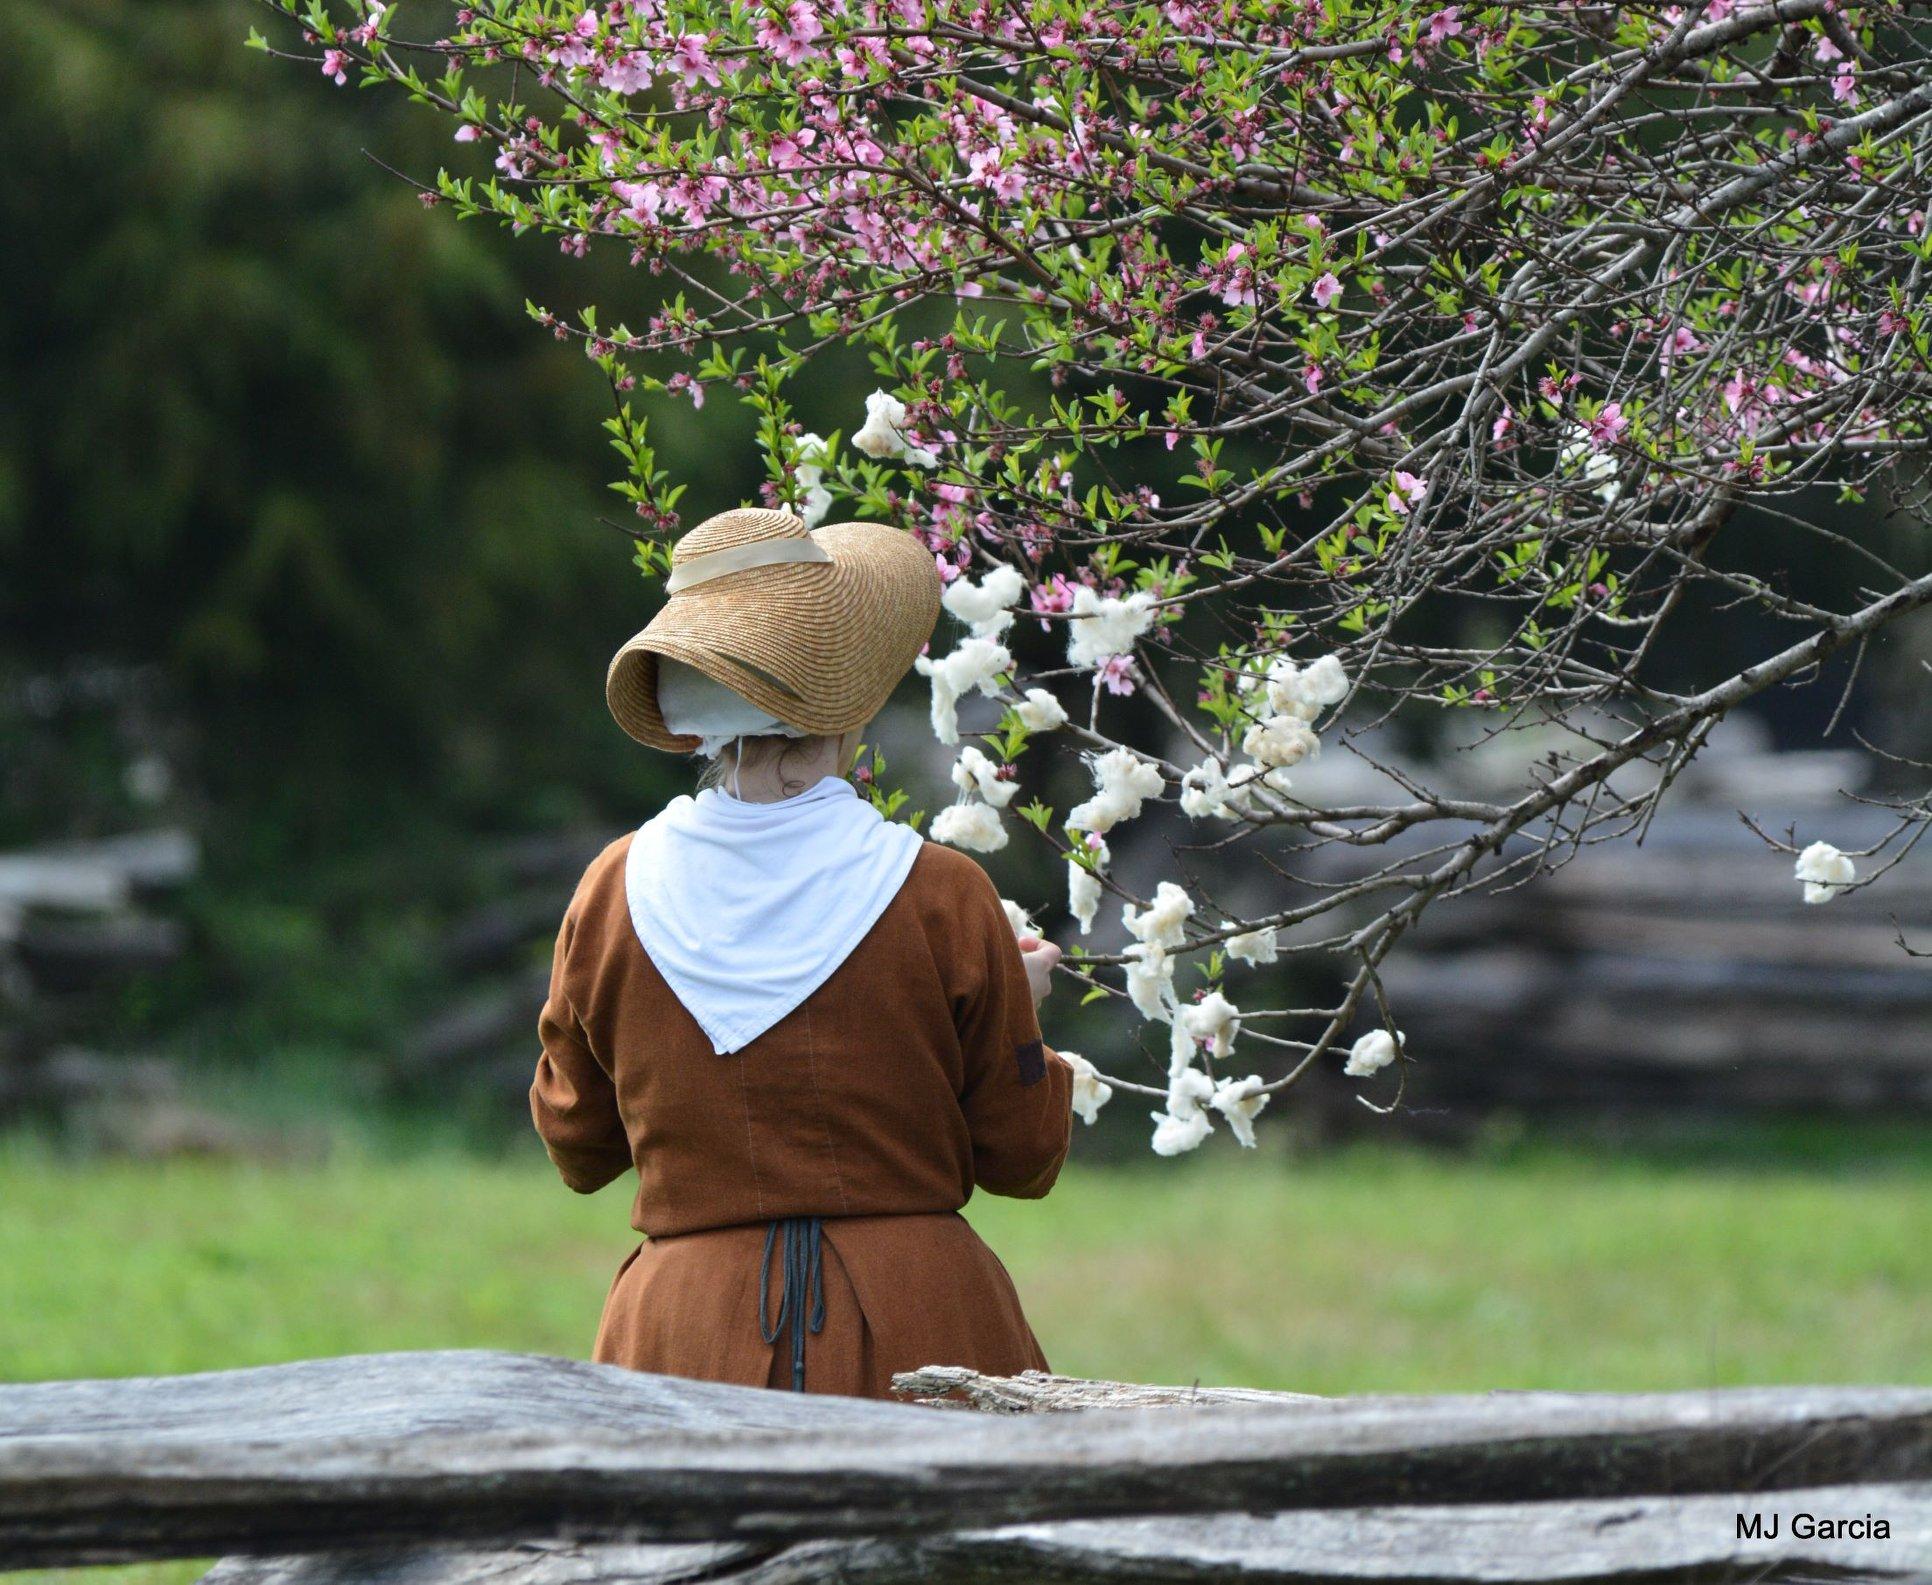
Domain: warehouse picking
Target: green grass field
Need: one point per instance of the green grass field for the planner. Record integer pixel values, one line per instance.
(1363, 1270)
(1359, 1271)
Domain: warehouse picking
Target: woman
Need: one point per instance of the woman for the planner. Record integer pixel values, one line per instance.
(811, 1033)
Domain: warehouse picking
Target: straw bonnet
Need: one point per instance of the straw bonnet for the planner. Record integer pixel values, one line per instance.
(814, 627)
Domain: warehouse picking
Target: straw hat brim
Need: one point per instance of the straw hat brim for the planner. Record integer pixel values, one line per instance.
(818, 645)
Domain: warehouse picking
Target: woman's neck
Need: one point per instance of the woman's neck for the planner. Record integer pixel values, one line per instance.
(770, 778)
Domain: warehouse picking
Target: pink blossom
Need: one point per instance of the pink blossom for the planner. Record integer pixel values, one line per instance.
(788, 152)
(858, 58)
(628, 74)
(1118, 674)
(1844, 86)
(367, 32)
(1679, 343)
(692, 57)
(1505, 422)
(1232, 279)
(1311, 378)
(1052, 597)
(1445, 24)
(642, 200)
(791, 43)
(1607, 428)
(336, 64)
(1325, 290)
(1407, 493)
(468, 133)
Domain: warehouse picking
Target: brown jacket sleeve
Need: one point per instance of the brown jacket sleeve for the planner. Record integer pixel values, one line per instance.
(1018, 1097)
(573, 1102)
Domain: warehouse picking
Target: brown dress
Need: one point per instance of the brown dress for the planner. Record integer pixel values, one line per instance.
(913, 1075)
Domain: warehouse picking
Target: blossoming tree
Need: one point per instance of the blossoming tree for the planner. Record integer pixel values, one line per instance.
(1295, 366)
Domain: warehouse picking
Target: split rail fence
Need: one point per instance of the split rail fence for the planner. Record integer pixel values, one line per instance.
(428, 1469)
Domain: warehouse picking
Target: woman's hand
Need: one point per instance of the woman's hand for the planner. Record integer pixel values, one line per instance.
(1039, 957)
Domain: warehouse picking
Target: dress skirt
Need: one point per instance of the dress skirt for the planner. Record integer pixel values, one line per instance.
(898, 1292)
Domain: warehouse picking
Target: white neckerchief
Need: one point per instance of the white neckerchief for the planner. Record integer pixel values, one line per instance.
(747, 908)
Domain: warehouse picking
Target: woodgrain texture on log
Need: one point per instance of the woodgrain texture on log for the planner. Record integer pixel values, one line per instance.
(491, 1449)
(1041, 1392)
(1621, 1541)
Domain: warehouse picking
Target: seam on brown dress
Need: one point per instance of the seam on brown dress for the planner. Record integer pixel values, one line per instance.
(737, 1059)
(824, 1119)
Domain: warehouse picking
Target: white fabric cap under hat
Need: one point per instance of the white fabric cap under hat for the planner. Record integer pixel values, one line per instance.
(697, 705)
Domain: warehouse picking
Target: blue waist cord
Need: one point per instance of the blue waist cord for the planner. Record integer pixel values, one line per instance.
(804, 1300)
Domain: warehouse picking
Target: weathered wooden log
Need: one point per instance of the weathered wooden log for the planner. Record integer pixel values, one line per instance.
(548, 855)
(503, 930)
(89, 876)
(69, 1078)
(1621, 1541)
(67, 955)
(484, 1449)
(477, 1028)
(1041, 1392)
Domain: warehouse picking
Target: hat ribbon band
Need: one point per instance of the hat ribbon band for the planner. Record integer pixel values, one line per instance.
(742, 558)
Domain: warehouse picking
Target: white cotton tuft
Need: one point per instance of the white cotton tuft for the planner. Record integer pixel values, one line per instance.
(1240, 1101)
(1280, 741)
(1106, 625)
(1090, 1091)
(1325, 682)
(1181, 1050)
(1150, 981)
(1214, 1019)
(1207, 793)
(986, 606)
(975, 663)
(974, 826)
(1160, 923)
(1303, 693)
(1039, 711)
(945, 699)
(885, 418)
(1083, 896)
(1255, 947)
(810, 473)
(1825, 871)
(1017, 918)
(1174, 1136)
(1287, 694)
(1600, 468)
(1184, 1124)
(1122, 781)
(1372, 1053)
(975, 773)
(884, 432)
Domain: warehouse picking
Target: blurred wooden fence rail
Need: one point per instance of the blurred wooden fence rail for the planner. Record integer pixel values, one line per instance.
(76, 921)
(1685, 972)
(444, 1467)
